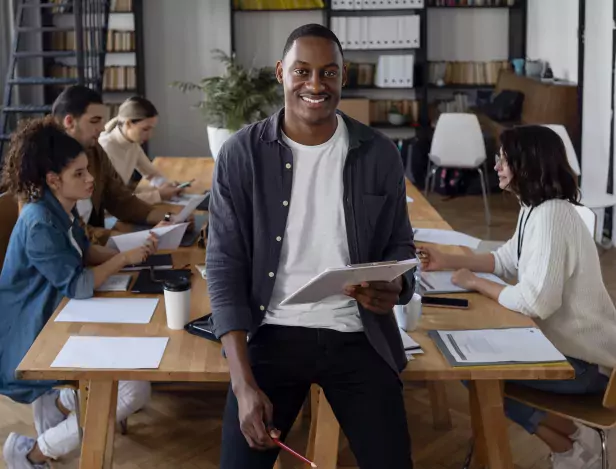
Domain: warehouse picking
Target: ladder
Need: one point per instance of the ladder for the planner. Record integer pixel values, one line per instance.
(30, 88)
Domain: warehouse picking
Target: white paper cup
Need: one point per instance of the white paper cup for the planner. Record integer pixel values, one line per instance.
(177, 303)
(407, 316)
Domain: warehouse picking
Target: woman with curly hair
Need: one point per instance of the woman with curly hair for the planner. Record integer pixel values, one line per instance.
(48, 258)
(559, 284)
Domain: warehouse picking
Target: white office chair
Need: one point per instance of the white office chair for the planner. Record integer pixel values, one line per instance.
(595, 200)
(458, 143)
(588, 217)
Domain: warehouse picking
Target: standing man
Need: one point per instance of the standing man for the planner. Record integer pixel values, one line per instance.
(302, 191)
(82, 113)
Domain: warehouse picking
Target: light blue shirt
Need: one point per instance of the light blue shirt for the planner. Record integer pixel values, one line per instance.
(42, 266)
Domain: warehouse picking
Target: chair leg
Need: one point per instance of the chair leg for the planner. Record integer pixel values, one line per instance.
(433, 176)
(427, 182)
(78, 414)
(485, 175)
(604, 461)
(485, 197)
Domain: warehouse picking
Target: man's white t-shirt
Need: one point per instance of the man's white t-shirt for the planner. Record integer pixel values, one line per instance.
(315, 237)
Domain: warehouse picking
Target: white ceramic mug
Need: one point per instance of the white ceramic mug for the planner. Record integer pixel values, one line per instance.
(407, 316)
(177, 303)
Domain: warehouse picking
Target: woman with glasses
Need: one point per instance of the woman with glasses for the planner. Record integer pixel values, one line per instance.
(553, 256)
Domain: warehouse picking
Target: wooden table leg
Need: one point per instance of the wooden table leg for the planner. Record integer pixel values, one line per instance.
(324, 431)
(490, 425)
(97, 445)
(441, 418)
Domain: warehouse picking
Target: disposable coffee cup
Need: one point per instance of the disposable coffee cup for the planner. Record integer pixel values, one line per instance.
(177, 302)
(407, 316)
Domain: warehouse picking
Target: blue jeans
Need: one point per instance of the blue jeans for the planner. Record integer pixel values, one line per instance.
(588, 380)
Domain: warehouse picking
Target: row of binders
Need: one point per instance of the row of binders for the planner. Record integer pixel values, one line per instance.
(376, 4)
(395, 71)
(377, 32)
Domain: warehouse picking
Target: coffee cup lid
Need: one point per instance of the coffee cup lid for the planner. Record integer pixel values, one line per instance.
(177, 284)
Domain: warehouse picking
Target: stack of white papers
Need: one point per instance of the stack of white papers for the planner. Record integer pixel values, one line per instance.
(118, 282)
(109, 310)
(169, 237)
(440, 282)
(448, 237)
(410, 346)
(488, 346)
(111, 353)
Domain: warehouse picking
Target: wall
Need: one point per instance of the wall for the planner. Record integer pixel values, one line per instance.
(179, 37)
(552, 34)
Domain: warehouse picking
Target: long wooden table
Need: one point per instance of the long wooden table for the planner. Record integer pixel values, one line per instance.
(192, 359)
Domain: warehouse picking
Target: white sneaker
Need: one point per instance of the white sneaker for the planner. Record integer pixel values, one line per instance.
(576, 458)
(15, 452)
(589, 439)
(46, 412)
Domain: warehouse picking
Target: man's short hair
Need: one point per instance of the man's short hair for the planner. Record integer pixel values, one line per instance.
(311, 30)
(74, 100)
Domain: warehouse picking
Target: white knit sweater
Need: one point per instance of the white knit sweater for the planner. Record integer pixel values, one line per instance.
(560, 284)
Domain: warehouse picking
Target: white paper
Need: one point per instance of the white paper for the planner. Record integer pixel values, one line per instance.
(440, 282)
(527, 345)
(409, 199)
(118, 282)
(407, 341)
(109, 310)
(333, 281)
(448, 237)
(188, 209)
(169, 237)
(116, 353)
(110, 222)
(184, 199)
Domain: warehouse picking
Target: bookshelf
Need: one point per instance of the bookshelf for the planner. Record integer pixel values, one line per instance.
(124, 69)
(443, 69)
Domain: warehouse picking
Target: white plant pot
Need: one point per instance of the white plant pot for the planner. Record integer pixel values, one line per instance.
(217, 137)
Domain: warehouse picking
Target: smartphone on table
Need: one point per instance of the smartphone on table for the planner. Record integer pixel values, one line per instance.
(442, 302)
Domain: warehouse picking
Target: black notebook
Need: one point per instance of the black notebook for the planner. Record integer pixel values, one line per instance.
(151, 281)
(157, 261)
(202, 327)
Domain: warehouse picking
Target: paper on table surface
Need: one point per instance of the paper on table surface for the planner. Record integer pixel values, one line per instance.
(169, 237)
(500, 345)
(120, 353)
(333, 281)
(189, 208)
(440, 282)
(407, 341)
(184, 199)
(109, 310)
(117, 282)
(449, 237)
(409, 199)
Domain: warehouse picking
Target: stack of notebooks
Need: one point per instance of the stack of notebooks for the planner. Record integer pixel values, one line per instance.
(377, 32)
(395, 71)
(376, 4)
(466, 73)
(482, 347)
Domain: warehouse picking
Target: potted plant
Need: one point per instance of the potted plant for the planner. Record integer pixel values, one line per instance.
(237, 98)
(395, 117)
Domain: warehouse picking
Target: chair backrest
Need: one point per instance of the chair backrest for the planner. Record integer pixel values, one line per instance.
(9, 212)
(458, 141)
(589, 218)
(609, 398)
(571, 155)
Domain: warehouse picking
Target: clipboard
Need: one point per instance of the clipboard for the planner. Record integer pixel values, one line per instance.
(332, 281)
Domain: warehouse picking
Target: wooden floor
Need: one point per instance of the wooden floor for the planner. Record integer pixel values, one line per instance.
(181, 430)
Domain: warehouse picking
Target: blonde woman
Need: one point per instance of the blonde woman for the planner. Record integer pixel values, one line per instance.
(122, 139)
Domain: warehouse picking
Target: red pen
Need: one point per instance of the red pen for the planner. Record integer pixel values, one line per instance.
(297, 455)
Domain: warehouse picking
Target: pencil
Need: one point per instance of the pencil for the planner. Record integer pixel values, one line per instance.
(297, 455)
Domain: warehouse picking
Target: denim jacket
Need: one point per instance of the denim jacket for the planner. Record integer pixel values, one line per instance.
(248, 216)
(41, 267)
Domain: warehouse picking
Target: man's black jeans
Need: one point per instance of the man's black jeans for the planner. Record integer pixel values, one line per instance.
(364, 392)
